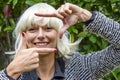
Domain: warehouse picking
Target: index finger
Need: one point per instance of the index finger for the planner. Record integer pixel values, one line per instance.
(54, 14)
(44, 50)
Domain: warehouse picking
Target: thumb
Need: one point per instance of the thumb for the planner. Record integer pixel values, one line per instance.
(63, 29)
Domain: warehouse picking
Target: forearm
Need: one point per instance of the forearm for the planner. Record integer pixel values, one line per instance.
(105, 27)
(102, 62)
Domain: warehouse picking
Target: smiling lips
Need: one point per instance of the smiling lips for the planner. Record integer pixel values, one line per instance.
(41, 44)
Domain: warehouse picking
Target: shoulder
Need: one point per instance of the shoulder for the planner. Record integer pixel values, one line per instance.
(73, 58)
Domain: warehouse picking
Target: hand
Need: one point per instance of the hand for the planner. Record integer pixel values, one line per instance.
(26, 59)
(70, 15)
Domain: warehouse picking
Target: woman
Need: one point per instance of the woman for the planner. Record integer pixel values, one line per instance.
(44, 52)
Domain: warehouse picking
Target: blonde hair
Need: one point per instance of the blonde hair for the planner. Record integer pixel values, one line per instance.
(28, 19)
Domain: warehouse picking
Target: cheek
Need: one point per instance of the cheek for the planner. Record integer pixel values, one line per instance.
(29, 38)
(53, 38)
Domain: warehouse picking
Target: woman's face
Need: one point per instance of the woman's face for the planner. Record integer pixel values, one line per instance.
(41, 37)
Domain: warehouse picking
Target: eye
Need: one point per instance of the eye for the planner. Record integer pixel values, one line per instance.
(49, 28)
(32, 30)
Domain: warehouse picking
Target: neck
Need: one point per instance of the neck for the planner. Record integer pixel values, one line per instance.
(46, 67)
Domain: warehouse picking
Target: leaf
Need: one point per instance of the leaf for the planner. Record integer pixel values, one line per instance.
(12, 22)
(9, 1)
(116, 73)
(83, 34)
(8, 29)
(0, 28)
(30, 2)
(92, 39)
(14, 3)
(37, 0)
(86, 47)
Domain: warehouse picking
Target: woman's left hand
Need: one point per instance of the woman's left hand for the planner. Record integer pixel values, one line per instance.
(70, 15)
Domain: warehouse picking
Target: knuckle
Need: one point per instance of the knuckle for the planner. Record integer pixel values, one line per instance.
(37, 59)
(36, 54)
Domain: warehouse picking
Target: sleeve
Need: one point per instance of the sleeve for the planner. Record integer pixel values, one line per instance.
(106, 27)
(4, 76)
(102, 62)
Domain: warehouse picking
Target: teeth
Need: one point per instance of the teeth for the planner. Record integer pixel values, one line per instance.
(41, 44)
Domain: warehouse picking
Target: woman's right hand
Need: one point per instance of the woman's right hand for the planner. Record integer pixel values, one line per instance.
(26, 59)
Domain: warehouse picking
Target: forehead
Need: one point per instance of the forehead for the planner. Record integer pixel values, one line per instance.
(38, 22)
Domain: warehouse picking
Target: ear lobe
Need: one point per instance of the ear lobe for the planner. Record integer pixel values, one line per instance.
(23, 34)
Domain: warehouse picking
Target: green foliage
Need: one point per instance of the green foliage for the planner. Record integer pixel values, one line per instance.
(90, 42)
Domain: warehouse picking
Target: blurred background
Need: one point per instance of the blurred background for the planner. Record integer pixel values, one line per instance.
(10, 11)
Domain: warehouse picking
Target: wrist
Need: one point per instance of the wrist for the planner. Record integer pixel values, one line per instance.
(85, 15)
(91, 19)
(12, 72)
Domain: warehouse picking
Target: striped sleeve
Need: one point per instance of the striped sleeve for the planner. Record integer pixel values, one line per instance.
(102, 62)
(106, 27)
(3, 75)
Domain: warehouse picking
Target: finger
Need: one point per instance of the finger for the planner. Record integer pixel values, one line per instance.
(45, 15)
(67, 9)
(45, 50)
(34, 59)
(64, 10)
(55, 14)
(63, 29)
(30, 67)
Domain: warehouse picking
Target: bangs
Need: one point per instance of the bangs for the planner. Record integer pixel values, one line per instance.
(56, 23)
(37, 21)
(43, 21)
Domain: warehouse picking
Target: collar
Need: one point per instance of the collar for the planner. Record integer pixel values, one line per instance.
(59, 70)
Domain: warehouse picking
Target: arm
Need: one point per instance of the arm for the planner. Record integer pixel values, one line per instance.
(106, 27)
(102, 62)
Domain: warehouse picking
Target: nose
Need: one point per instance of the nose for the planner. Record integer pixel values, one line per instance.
(40, 34)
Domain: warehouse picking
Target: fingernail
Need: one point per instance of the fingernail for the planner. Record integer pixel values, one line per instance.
(23, 34)
(55, 50)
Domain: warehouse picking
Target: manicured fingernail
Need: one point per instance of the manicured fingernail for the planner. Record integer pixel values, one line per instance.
(55, 50)
(23, 34)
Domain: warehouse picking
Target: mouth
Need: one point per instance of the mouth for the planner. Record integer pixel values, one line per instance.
(41, 44)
